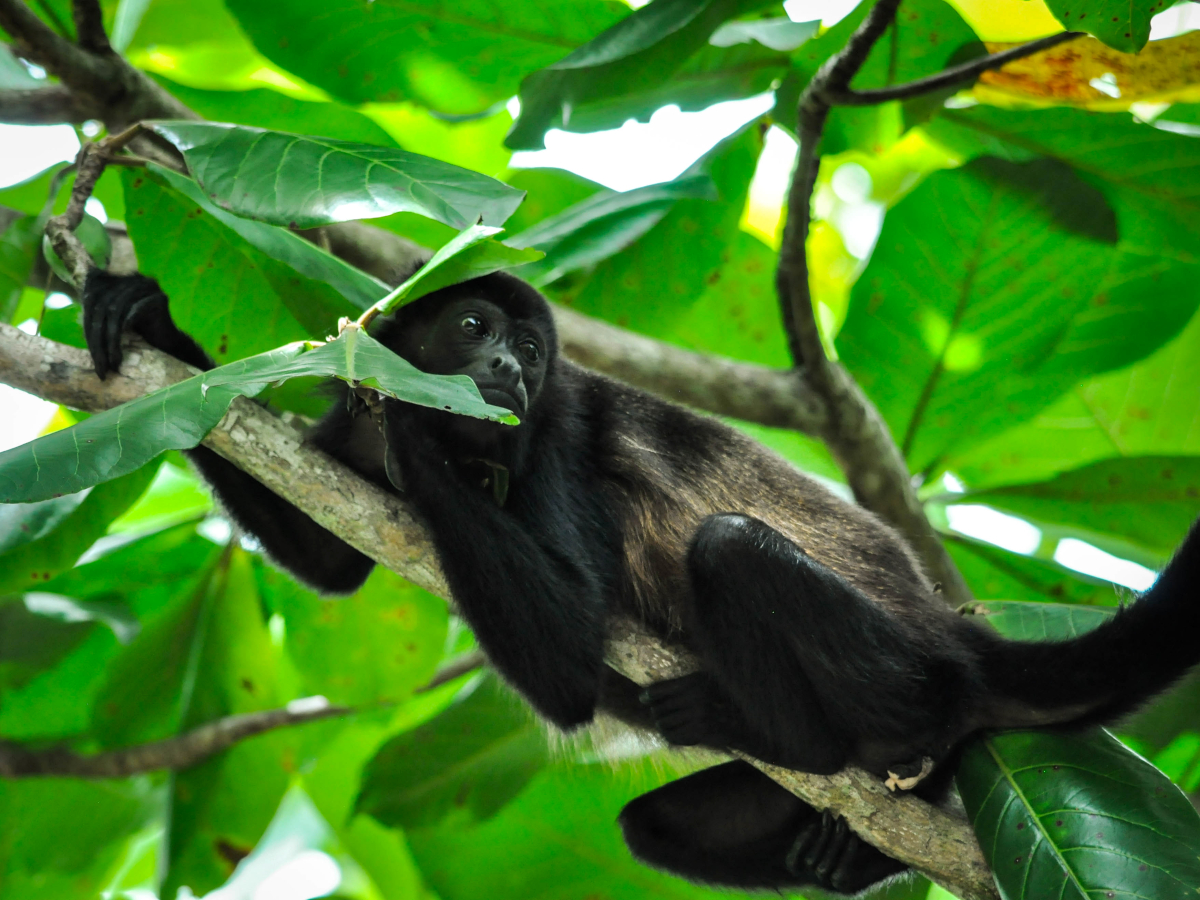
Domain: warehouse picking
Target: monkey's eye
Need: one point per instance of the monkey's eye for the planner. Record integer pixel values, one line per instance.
(474, 326)
(529, 349)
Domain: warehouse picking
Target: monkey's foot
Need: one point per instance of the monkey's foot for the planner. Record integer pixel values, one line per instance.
(910, 774)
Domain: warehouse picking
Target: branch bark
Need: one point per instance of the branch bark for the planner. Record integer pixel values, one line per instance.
(935, 842)
(49, 105)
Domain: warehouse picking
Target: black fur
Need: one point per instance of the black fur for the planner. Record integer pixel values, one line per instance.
(821, 641)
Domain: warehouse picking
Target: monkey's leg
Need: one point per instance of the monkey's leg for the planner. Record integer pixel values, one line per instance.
(733, 826)
(811, 665)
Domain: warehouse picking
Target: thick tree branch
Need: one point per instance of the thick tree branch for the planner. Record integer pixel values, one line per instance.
(49, 105)
(383, 527)
(947, 78)
(856, 433)
(89, 26)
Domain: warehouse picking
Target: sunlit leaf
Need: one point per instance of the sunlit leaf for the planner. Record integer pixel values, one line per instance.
(302, 182)
(1019, 621)
(995, 574)
(1122, 24)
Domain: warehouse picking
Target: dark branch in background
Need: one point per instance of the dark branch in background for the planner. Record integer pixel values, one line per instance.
(953, 77)
(197, 745)
(89, 26)
(50, 105)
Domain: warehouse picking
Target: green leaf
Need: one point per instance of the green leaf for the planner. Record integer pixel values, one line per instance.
(1146, 501)
(319, 313)
(602, 225)
(455, 59)
(19, 244)
(32, 563)
(119, 440)
(302, 182)
(470, 254)
(928, 35)
(975, 279)
(264, 108)
(1145, 172)
(1019, 621)
(94, 236)
(1079, 818)
(646, 47)
(464, 766)
(996, 574)
(375, 646)
(220, 808)
(1122, 24)
(217, 281)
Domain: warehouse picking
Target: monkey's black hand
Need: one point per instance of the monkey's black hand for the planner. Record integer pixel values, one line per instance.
(830, 855)
(113, 304)
(688, 711)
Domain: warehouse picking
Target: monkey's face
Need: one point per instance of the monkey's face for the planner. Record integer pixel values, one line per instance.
(505, 356)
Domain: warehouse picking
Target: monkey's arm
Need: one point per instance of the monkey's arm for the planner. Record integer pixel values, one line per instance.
(530, 590)
(113, 304)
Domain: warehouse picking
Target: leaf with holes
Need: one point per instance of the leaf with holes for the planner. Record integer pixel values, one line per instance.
(1078, 818)
(117, 441)
(1122, 24)
(302, 182)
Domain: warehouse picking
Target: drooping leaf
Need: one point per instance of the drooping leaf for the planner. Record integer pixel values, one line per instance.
(284, 245)
(646, 47)
(602, 225)
(1148, 501)
(470, 254)
(33, 563)
(1122, 24)
(119, 440)
(301, 182)
(456, 58)
(1078, 817)
(463, 766)
(975, 279)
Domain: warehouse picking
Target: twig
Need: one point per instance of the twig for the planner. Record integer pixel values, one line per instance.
(179, 752)
(89, 26)
(955, 75)
(468, 662)
(856, 433)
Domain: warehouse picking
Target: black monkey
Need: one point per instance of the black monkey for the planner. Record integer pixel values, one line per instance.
(822, 643)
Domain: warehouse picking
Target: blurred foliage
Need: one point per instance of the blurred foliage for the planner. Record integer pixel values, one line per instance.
(1024, 318)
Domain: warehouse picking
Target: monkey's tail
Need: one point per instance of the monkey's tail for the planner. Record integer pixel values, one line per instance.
(1109, 671)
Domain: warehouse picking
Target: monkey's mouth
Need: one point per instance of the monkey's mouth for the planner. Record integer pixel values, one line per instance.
(497, 396)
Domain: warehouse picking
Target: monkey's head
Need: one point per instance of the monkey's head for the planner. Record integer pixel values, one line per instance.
(496, 329)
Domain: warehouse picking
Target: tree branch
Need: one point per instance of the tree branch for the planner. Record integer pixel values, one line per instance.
(382, 526)
(50, 105)
(856, 433)
(955, 75)
(89, 26)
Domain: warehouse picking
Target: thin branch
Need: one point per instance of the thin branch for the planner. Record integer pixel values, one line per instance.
(49, 105)
(382, 526)
(856, 433)
(947, 78)
(179, 752)
(89, 26)
(468, 662)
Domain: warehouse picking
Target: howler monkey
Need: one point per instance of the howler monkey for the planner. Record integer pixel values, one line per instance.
(821, 641)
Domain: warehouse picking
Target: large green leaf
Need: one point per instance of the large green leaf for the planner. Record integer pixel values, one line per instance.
(317, 310)
(1146, 173)
(221, 807)
(302, 182)
(19, 245)
(375, 646)
(1122, 24)
(1148, 501)
(603, 224)
(996, 574)
(645, 48)
(1078, 818)
(453, 57)
(31, 564)
(927, 36)
(463, 766)
(975, 280)
(117, 441)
